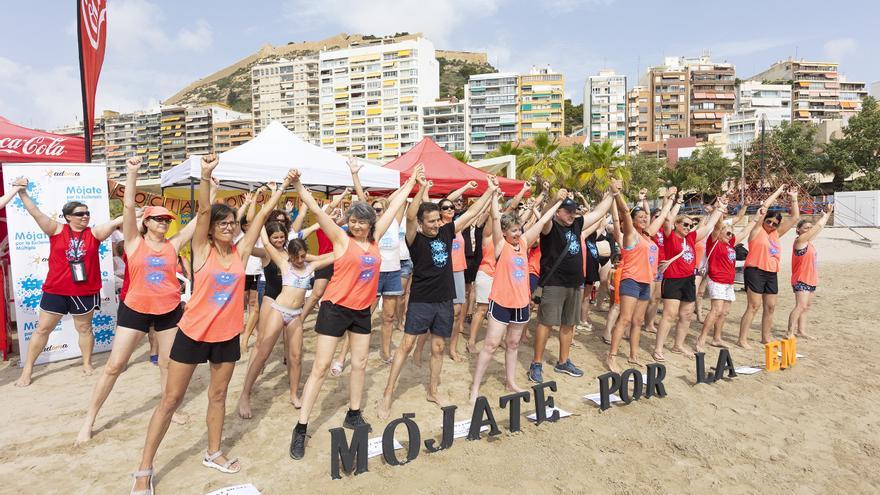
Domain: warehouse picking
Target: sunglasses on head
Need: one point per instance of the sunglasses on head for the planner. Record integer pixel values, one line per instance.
(447, 207)
(80, 214)
(161, 219)
(771, 223)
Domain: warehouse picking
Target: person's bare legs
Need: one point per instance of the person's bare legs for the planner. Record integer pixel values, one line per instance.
(179, 375)
(294, 333)
(433, 395)
(83, 325)
(266, 340)
(251, 322)
(494, 333)
(360, 350)
(602, 292)
(511, 354)
(585, 305)
(476, 323)
(715, 311)
(635, 332)
(627, 308)
(403, 302)
(670, 311)
(717, 340)
(797, 320)
(389, 308)
(700, 285)
(45, 324)
(343, 351)
(769, 307)
(406, 345)
(221, 373)
(154, 346)
(611, 321)
(685, 316)
(753, 304)
(651, 311)
(458, 325)
(124, 343)
(318, 288)
(419, 349)
(325, 346)
(164, 341)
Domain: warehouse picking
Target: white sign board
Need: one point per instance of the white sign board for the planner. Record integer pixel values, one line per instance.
(50, 186)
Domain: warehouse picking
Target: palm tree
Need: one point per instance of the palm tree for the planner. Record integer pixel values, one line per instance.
(461, 156)
(602, 163)
(539, 159)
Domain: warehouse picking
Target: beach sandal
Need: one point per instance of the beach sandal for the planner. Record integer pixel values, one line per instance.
(658, 357)
(208, 461)
(388, 360)
(606, 340)
(146, 473)
(336, 368)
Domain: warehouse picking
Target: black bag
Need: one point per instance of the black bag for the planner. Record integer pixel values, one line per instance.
(741, 252)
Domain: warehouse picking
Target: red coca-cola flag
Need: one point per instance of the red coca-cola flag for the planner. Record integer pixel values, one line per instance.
(92, 30)
(22, 145)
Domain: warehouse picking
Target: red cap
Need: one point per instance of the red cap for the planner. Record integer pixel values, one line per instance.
(157, 211)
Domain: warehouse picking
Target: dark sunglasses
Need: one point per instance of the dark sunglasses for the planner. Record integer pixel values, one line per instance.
(687, 225)
(379, 210)
(447, 207)
(771, 223)
(162, 219)
(729, 234)
(80, 214)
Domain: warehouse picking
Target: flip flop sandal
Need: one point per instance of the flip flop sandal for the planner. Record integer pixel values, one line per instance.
(388, 360)
(606, 340)
(658, 357)
(146, 473)
(336, 368)
(208, 461)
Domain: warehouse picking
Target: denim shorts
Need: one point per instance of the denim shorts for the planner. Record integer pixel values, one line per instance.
(389, 284)
(406, 268)
(638, 290)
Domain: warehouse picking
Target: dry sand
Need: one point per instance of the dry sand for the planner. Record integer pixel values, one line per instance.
(812, 429)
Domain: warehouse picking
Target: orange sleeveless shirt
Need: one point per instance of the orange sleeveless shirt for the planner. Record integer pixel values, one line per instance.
(215, 312)
(510, 287)
(355, 277)
(487, 264)
(154, 288)
(535, 260)
(640, 261)
(764, 251)
(459, 262)
(805, 268)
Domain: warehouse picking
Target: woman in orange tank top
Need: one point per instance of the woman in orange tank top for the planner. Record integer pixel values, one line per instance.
(804, 273)
(346, 304)
(510, 294)
(153, 297)
(211, 324)
(638, 268)
(762, 266)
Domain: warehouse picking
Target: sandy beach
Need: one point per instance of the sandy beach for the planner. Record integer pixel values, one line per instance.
(812, 429)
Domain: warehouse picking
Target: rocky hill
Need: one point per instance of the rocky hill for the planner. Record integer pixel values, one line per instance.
(232, 85)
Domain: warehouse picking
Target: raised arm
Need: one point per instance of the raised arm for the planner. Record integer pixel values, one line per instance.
(629, 231)
(756, 220)
(803, 239)
(466, 217)
(772, 198)
(13, 190)
(130, 231)
(461, 190)
(46, 224)
(203, 215)
(793, 216)
(601, 209)
(356, 180)
(658, 222)
(560, 197)
(104, 230)
(518, 198)
(670, 219)
(535, 230)
(717, 213)
(336, 200)
(276, 256)
(246, 244)
(396, 201)
(412, 223)
(739, 216)
(333, 232)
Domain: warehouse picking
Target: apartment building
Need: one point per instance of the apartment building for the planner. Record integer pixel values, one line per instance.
(605, 109)
(712, 95)
(492, 111)
(757, 105)
(669, 112)
(172, 131)
(817, 90)
(445, 121)
(287, 90)
(638, 109)
(371, 97)
(232, 133)
(541, 110)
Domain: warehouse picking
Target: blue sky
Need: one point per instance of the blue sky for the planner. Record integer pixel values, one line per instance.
(156, 47)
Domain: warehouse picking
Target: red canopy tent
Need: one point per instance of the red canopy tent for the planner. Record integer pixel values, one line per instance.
(447, 173)
(22, 145)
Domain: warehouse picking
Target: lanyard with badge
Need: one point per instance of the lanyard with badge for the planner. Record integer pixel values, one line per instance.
(77, 265)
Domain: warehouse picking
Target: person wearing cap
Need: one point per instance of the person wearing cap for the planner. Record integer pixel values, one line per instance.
(152, 295)
(561, 298)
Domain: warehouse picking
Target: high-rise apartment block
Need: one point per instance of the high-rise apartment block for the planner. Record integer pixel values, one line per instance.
(818, 91)
(492, 111)
(758, 106)
(232, 133)
(371, 97)
(712, 96)
(541, 109)
(445, 121)
(173, 133)
(638, 108)
(668, 113)
(287, 91)
(605, 109)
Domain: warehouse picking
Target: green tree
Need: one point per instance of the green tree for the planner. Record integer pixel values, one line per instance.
(789, 150)
(574, 117)
(707, 171)
(858, 152)
(461, 156)
(645, 172)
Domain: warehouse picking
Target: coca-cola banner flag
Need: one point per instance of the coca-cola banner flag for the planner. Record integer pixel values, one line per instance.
(92, 29)
(23, 145)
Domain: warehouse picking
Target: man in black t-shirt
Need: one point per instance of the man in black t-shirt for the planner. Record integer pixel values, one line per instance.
(562, 293)
(430, 297)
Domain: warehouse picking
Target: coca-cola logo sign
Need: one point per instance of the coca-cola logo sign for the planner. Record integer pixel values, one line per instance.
(36, 146)
(94, 14)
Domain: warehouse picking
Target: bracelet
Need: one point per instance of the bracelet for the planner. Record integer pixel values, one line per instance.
(205, 178)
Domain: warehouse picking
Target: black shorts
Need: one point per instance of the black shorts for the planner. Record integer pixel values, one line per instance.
(333, 320)
(74, 305)
(423, 317)
(325, 273)
(470, 271)
(129, 318)
(760, 281)
(683, 289)
(189, 351)
(250, 282)
(506, 315)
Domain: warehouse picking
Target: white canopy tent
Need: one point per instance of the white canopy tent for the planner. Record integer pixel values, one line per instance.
(269, 156)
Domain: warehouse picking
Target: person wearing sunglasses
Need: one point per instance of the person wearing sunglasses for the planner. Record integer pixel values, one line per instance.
(762, 266)
(720, 274)
(804, 273)
(73, 282)
(152, 298)
(678, 289)
(210, 328)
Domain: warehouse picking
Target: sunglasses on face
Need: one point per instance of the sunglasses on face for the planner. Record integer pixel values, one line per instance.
(687, 225)
(771, 223)
(80, 214)
(379, 210)
(729, 234)
(161, 219)
(447, 207)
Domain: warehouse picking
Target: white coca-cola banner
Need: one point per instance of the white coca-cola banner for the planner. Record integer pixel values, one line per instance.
(35, 146)
(50, 186)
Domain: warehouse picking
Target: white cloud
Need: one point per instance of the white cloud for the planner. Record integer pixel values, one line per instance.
(746, 47)
(198, 39)
(436, 19)
(837, 49)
